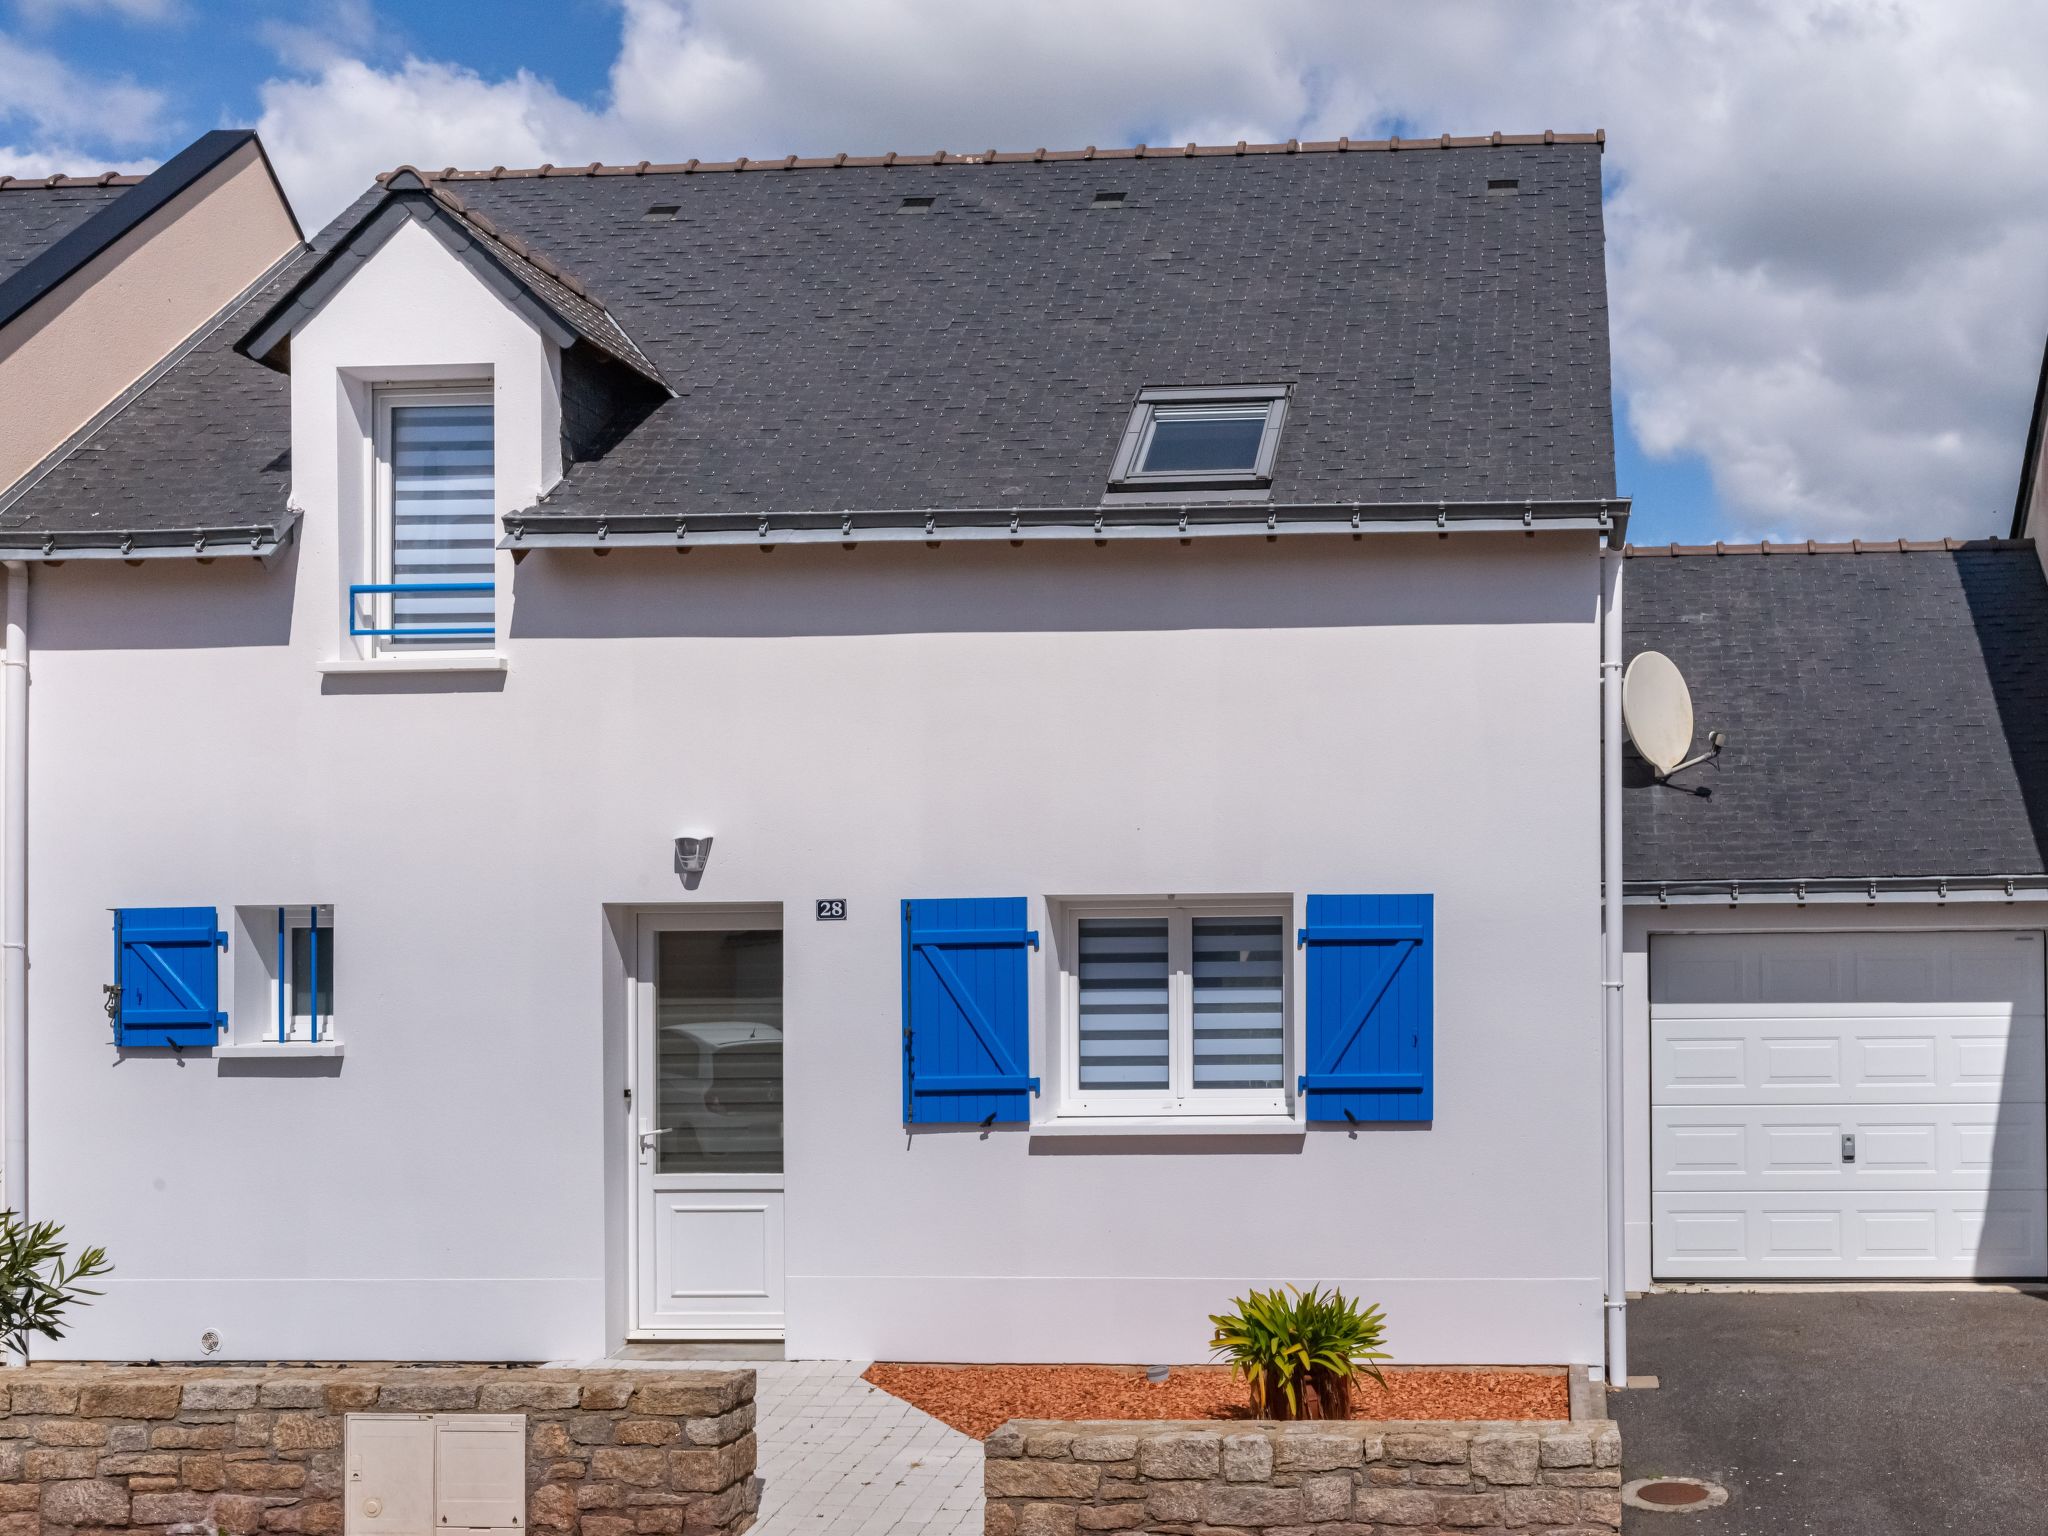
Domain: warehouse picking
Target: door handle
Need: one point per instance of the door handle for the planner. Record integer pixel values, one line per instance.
(1848, 1146)
(648, 1139)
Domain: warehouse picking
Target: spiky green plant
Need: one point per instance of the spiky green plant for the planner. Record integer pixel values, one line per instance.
(37, 1285)
(1297, 1351)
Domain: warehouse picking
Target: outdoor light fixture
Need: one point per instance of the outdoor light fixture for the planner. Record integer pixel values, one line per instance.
(692, 854)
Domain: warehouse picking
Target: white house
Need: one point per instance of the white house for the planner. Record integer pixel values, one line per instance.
(945, 759)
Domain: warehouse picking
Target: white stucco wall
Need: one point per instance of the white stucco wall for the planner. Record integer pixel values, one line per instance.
(1387, 714)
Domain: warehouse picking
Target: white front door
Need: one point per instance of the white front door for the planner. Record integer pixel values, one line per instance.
(707, 1126)
(1848, 1105)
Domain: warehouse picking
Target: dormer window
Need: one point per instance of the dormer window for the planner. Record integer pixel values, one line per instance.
(1193, 438)
(433, 545)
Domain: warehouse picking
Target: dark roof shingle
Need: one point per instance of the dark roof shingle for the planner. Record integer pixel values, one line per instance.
(1887, 714)
(34, 218)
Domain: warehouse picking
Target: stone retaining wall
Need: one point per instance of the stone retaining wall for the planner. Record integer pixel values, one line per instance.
(1046, 1478)
(183, 1451)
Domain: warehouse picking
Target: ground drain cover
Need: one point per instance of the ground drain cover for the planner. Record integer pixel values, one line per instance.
(1673, 1495)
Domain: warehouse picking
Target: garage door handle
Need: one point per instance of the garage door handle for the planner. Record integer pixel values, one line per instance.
(1848, 1148)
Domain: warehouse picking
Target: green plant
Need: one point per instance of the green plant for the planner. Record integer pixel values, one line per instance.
(1297, 1351)
(37, 1286)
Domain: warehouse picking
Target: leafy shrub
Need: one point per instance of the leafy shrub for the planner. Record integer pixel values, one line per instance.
(1298, 1352)
(37, 1286)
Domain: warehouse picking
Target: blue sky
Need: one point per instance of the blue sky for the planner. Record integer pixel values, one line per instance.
(1828, 282)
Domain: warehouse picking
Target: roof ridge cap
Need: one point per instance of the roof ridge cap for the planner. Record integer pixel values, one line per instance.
(842, 160)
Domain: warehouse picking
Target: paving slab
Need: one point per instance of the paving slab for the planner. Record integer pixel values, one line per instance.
(840, 1456)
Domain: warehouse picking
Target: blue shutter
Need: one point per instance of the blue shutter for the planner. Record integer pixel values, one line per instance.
(169, 979)
(966, 1012)
(1371, 1002)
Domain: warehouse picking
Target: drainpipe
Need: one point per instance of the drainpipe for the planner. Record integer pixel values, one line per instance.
(1616, 1308)
(14, 897)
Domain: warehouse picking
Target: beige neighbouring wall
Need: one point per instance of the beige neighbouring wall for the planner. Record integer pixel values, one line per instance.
(115, 318)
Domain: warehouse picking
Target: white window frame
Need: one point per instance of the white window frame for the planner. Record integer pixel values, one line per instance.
(381, 534)
(1181, 1100)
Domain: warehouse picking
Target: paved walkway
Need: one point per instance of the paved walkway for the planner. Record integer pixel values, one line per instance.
(841, 1458)
(1842, 1413)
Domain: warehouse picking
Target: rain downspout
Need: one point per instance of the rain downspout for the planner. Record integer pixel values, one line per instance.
(1616, 1308)
(14, 898)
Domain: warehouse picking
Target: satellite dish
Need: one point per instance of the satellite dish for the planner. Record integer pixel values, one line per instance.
(1656, 706)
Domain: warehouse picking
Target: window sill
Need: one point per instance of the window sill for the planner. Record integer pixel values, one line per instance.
(382, 664)
(1171, 1125)
(276, 1050)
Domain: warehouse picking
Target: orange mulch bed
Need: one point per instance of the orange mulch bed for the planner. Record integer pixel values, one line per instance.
(975, 1399)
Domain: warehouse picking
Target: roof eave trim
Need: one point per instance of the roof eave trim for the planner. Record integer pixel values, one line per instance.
(1184, 520)
(1835, 890)
(56, 263)
(52, 545)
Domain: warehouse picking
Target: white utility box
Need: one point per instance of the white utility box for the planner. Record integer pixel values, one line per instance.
(412, 1474)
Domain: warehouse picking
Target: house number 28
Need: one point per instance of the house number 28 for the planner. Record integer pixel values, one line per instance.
(831, 909)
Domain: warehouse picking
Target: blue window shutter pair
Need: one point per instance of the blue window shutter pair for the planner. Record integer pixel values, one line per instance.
(966, 1011)
(1369, 1041)
(168, 977)
(1371, 1006)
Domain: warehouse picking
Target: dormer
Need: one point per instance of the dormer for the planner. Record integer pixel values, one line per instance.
(443, 374)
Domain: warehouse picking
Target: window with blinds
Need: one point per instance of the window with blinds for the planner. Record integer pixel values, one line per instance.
(1124, 1004)
(440, 530)
(1177, 1009)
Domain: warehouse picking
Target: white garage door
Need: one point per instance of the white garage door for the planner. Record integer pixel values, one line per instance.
(1848, 1105)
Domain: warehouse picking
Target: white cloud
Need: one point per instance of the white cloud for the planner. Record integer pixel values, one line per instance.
(54, 104)
(41, 12)
(19, 160)
(1828, 222)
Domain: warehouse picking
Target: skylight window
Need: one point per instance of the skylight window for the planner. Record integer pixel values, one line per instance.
(662, 213)
(915, 205)
(1202, 438)
(1107, 202)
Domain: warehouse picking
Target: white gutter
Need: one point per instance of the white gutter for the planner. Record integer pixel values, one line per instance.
(14, 898)
(1616, 1308)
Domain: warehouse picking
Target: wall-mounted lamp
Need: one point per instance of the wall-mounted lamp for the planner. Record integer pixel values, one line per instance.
(692, 854)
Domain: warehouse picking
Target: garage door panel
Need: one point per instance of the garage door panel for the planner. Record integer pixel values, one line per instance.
(1849, 1235)
(1773, 1056)
(1839, 1059)
(1732, 1148)
(1889, 970)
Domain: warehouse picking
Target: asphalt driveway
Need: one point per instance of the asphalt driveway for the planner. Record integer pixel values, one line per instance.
(1864, 1413)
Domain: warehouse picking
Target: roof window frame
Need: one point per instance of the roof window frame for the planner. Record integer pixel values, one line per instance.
(1127, 475)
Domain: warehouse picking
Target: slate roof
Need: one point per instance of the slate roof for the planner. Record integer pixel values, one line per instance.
(1886, 711)
(1446, 337)
(35, 215)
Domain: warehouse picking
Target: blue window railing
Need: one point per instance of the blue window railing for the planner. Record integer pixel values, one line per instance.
(300, 970)
(402, 589)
